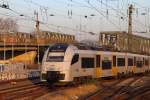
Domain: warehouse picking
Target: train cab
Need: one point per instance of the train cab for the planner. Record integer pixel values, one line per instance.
(56, 63)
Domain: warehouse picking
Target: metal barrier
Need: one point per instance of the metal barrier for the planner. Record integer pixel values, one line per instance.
(17, 71)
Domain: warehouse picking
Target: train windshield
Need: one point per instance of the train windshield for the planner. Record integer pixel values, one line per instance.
(55, 58)
(58, 48)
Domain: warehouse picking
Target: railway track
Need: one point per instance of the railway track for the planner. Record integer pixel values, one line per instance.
(110, 89)
(101, 90)
(27, 91)
(115, 91)
(30, 91)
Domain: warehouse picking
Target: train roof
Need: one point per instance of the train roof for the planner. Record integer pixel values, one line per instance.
(80, 46)
(83, 46)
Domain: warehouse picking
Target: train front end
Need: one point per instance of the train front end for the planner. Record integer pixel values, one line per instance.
(56, 64)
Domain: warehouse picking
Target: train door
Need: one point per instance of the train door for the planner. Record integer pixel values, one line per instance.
(130, 65)
(114, 65)
(143, 65)
(121, 64)
(146, 64)
(98, 66)
(134, 64)
(139, 64)
(106, 65)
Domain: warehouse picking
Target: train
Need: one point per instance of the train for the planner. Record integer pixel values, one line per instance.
(76, 62)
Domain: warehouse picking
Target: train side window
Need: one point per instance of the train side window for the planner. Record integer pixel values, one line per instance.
(120, 62)
(2, 68)
(146, 62)
(75, 59)
(87, 63)
(139, 64)
(106, 64)
(114, 61)
(143, 61)
(98, 60)
(130, 62)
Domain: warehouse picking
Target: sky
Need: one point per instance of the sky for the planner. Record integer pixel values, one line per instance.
(78, 16)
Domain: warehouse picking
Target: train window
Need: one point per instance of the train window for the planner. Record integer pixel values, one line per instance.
(120, 62)
(24, 66)
(146, 62)
(87, 62)
(98, 60)
(55, 58)
(114, 61)
(1, 68)
(130, 62)
(106, 64)
(75, 59)
(139, 64)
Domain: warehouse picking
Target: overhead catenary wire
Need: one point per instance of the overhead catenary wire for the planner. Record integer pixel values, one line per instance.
(77, 3)
(102, 14)
(32, 19)
(137, 21)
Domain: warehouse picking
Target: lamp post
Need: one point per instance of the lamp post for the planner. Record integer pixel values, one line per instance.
(80, 25)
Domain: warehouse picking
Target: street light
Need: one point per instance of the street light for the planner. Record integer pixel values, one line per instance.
(51, 15)
(92, 15)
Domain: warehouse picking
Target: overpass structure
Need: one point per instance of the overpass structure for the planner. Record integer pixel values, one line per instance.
(124, 42)
(28, 48)
(43, 38)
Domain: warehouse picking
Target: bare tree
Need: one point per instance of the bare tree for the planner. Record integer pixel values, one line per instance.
(8, 24)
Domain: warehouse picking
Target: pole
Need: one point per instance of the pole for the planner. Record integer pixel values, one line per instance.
(4, 47)
(80, 24)
(130, 9)
(37, 23)
(37, 34)
(26, 53)
(148, 18)
(130, 19)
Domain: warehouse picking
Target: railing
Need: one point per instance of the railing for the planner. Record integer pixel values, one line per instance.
(45, 38)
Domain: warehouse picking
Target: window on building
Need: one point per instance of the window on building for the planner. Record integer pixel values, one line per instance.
(75, 59)
(98, 60)
(114, 60)
(87, 62)
(120, 62)
(130, 62)
(106, 64)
